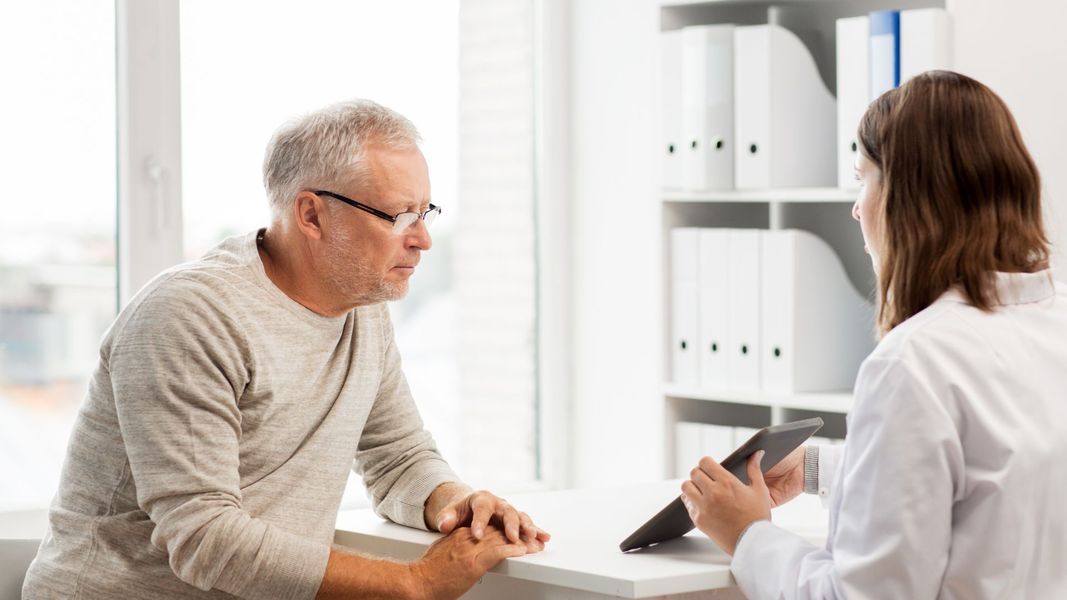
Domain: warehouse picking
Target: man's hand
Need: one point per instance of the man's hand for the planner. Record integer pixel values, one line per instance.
(454, 563)
(478, 509)
(721, 506)
(785, 480)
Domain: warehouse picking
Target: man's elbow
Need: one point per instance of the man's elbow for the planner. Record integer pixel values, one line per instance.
(201, 537)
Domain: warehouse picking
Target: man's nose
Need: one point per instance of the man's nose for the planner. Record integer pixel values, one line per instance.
(419, 236)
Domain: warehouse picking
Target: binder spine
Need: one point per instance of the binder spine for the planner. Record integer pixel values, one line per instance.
(885, 51)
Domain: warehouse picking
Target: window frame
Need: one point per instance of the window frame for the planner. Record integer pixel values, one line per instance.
(149, 228)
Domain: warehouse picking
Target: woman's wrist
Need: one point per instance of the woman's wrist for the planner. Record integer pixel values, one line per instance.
(741, 535)
(811, 469)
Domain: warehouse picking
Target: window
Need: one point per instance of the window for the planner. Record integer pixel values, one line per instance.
(57, 236)
(462, 72)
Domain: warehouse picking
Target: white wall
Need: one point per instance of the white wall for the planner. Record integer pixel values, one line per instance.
(1018, 48)
(616, 257)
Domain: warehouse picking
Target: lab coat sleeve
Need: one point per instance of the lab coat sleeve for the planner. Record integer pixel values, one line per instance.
(901, 468)
(829, 460)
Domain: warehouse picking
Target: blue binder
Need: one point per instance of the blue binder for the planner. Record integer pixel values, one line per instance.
(885, 51)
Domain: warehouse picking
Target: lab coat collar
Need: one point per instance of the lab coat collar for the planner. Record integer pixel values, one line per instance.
(1014, 288)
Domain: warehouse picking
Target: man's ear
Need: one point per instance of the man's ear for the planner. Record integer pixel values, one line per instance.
(307, 209)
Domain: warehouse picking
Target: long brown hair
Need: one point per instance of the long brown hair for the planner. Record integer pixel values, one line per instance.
(961, 196)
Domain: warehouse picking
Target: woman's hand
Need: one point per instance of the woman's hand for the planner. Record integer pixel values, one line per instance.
(785, 480)
(721, 506)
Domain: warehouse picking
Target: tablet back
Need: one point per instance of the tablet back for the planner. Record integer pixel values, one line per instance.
(777, 441)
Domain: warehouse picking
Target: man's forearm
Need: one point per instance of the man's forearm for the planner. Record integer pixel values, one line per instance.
(353, 576)
(350, 576)
(441, 497)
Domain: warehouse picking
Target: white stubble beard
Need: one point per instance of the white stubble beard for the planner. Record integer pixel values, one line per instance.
(352, 278)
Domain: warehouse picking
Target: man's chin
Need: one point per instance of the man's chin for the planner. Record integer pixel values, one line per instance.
(396, 284)
(395, 290)
(386, 291)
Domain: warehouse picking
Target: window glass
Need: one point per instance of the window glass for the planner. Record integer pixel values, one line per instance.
(248, 66)
(57, 234)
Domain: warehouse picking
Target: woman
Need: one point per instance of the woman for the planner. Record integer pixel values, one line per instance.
(951, 483)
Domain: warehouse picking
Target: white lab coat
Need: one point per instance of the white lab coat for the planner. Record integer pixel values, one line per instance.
(953, 480)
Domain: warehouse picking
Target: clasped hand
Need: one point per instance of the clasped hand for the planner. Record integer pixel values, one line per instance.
(478, 509)
(481, 530)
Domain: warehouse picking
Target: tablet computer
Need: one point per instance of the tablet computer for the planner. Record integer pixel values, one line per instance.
(777, 441)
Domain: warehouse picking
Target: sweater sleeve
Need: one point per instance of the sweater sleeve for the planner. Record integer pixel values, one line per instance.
(396, 456)
(178, 370)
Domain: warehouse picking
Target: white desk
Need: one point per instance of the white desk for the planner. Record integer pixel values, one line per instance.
(20, 535)
(583, 561)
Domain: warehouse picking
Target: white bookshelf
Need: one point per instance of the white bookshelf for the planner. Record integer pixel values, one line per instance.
(787, 195)
(829, 402)
(824, 211)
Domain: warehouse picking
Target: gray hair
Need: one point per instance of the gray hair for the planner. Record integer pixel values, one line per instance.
(327, 148)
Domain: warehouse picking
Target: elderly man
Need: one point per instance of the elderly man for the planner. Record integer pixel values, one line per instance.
(234, 393)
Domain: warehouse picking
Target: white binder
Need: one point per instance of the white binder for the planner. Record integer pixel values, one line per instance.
(823, 441)
(853, 62)
(717, 441)
(925, 41)
(685, 321)
(884, 51)
(670, 48)
(714, 307)
(688, 445)
(785, 115)
(693, 441)
(742, 434)
(707, 107)
(816, 327)
(743, 306)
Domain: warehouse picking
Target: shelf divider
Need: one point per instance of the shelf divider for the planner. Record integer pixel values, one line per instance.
(833, 402)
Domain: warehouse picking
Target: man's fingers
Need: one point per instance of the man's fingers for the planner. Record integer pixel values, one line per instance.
(447, 520)
(487, 511)
(494, 547)
(527, 529)
(460, 511)
(509, 519)
(532, 544)
(494, 554)
(526, 523)
(535, 538)
(483, 511)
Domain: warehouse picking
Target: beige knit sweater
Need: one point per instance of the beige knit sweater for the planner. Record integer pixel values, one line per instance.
(211, 452)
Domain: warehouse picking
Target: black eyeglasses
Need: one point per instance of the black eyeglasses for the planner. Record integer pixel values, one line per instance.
(401, 222)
